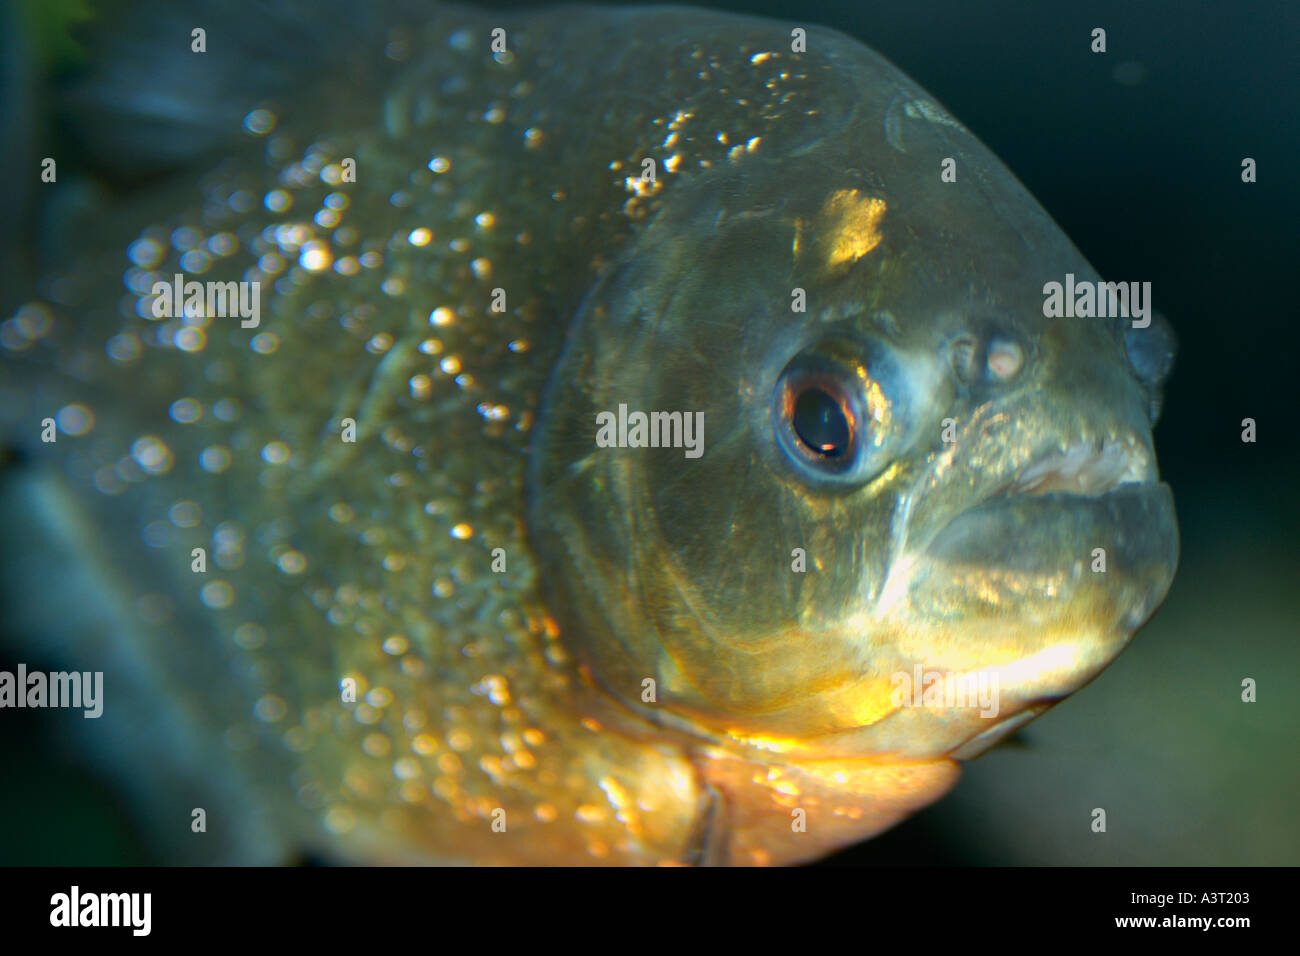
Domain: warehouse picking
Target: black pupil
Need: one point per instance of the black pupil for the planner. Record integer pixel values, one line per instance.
(820, 423)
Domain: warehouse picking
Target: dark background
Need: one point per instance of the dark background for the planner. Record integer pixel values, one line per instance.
(1137, 155)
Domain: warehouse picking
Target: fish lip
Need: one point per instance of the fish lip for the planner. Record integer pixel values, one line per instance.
(1087, 467)
(1149, 503)
(1031, 557)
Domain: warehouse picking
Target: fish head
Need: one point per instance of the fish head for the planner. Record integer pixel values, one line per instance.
(923, 511)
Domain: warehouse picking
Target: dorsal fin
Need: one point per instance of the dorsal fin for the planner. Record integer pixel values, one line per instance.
(147, 102)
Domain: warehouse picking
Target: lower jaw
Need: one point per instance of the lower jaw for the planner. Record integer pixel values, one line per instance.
(983, 742)
(999, 685)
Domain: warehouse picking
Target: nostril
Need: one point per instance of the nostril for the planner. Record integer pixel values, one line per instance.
(1005, 359)
(986, 359)
(964, 354)
(1151, 349)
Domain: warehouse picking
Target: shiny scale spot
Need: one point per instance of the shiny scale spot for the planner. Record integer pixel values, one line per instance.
(292, 562)
(277, 200)
(275, 453)
(75, 419)
(217, 595)
(190, 339)
(214, 459)
(185, 514)
(270, 709)
(315, 257)
(152, 455)
(260, 122)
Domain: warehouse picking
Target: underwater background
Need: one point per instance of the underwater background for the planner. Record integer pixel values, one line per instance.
(1137, 154)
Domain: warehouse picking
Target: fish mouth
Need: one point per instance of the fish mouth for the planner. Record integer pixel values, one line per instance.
(1088, 467)
(1095, 503)
(1045, 581)
(1095, 490)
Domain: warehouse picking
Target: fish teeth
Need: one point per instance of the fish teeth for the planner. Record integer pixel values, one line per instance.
(1091, 465)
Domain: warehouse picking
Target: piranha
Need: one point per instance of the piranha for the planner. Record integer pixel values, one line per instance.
(304, 453)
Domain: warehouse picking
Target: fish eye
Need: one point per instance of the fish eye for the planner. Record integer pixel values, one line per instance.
(821, 422)
(834, 419)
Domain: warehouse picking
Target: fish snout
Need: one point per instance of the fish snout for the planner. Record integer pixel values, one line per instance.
(1151, 350)
(1024, 598)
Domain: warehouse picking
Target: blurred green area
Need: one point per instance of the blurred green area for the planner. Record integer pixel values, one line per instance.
(52, 812)
(50, 24)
